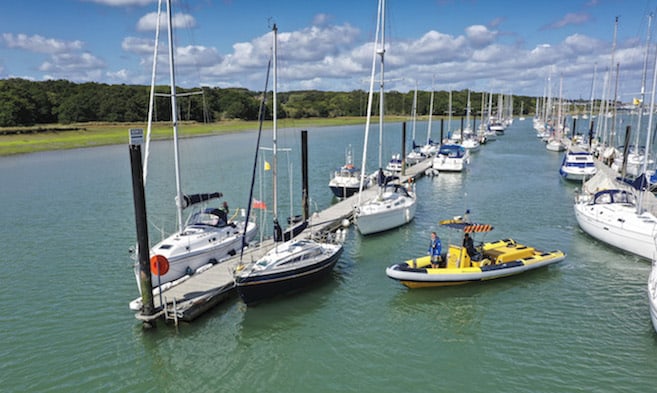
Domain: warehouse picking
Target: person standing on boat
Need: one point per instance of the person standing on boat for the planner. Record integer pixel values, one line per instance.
(435, 249)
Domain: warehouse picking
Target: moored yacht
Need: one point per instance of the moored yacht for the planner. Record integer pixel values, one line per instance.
(577, 166)
(451, 158)
(346, 179)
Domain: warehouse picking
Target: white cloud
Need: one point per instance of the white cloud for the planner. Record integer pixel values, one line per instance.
(63, 63)
(39, 44)
(479, 36)
(148, 22)
(140, 46)
(120, 76)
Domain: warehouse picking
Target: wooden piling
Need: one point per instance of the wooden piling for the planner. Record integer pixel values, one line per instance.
(142, 226)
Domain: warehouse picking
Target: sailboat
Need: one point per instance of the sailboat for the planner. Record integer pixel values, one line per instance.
(291, 264)
(430, 147)
(416, 155)
(209, 235)
(468, 140)
(554, 142)
(395, 204)
(616, 215)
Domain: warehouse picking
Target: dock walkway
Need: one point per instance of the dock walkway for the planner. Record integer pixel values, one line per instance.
(193, 296)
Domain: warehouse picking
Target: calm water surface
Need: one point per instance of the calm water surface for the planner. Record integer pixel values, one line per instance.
(67, 217)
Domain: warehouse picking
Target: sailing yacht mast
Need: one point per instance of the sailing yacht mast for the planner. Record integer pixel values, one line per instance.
(274, 159)
(369, 107)
(639, 207)
(174, 119)
(414, 112)
(643, 86)
(430, 117)
(381, 52)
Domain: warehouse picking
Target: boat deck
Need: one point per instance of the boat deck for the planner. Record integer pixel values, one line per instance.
(200, 292)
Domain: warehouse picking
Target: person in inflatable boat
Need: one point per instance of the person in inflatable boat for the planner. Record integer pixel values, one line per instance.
(435, 249)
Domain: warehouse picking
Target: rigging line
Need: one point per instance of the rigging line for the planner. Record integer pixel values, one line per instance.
(261, 117)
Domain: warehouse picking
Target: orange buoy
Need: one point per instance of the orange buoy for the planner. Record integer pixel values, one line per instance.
(159, 265)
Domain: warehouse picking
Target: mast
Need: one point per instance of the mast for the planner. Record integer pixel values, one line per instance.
(174, 119)
(449, 114)
(369, 106)
(639, 206)
(151, 98)
(595, 69)
(430, 117)
(274, 161)
(467, 115)
(643, 85)
(414, 112)
(381, 52)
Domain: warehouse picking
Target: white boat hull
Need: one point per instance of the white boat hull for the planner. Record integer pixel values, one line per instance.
(467, 275)
(620, 226)
(652, 295)
(386, 213)
(188, 251)
(446, 164)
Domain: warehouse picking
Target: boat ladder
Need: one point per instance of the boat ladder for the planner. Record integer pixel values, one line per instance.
(171, 312)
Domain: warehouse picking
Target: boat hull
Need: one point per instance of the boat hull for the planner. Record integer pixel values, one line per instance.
(619, 226)
(256, 288)
(344, 191)
(199, 249)
(380, 216)
(652, 295)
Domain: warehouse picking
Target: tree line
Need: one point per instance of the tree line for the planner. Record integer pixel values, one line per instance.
(28, 103)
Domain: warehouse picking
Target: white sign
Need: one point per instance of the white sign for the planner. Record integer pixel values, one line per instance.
(136, 136)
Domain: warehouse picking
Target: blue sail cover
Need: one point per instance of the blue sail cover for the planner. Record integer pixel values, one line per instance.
(639, 183)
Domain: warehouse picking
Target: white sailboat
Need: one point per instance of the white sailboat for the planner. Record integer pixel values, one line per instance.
(617, 215)
(208, 236)
(430, 147)
(394, 204)
(554, 142)
(291, 264)
(416, 155)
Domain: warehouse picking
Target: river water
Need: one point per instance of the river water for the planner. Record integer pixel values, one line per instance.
(67, 218)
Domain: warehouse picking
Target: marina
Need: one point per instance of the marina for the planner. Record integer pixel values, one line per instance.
(581, 324)
(300, 240)
(200, 292)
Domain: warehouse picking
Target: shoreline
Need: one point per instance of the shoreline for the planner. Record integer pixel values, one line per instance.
(26, 140)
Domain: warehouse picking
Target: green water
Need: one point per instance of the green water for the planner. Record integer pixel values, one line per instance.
(67, 219)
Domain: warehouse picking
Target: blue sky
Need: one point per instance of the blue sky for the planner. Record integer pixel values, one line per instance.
(500, 46)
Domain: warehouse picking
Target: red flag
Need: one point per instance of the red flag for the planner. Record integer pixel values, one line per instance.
(258, 204)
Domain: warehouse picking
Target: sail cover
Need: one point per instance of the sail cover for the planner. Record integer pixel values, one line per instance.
(193, 199)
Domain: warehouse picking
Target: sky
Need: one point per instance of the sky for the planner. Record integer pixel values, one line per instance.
(501, 46)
